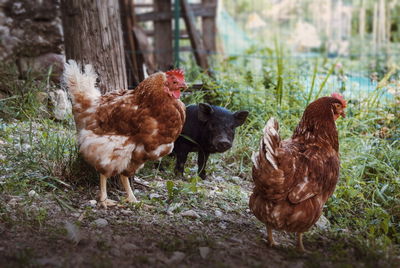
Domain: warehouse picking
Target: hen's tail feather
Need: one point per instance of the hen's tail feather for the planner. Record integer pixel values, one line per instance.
(81, 85)
(271, 141)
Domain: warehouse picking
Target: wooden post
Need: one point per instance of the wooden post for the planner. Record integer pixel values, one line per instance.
(195, 39)
(209, 28)
(92, 34)
(163, 36)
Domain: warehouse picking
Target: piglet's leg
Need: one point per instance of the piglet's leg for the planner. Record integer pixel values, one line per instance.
(181, 158)
(104, 201)
(130, 197)
(202, 158)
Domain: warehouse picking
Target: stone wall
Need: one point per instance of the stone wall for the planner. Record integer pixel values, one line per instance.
(29, 28)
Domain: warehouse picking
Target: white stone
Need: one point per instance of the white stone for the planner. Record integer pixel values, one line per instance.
(218, 213)
(204, 251)
(323, 223)
(129, 246)
(154, 195)
(190, 214)
(33, 194)
(101, 222)
(13, 202)
(92, 203)
(176, 257)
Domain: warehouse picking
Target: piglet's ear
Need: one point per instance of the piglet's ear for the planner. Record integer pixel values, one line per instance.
(205, 112)
(240, 117)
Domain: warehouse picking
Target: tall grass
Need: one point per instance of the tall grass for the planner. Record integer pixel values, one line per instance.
(366, 201)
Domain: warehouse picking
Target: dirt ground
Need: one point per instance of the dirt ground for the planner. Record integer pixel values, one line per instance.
(209, 228)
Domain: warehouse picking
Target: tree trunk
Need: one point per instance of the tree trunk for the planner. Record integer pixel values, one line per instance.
(92, 34)
(163, 37)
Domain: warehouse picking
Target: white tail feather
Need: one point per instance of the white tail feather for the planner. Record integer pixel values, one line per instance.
(271, 141)
(80, 83)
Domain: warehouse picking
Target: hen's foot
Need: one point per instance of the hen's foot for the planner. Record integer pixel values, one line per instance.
(108, 203)
(131, 199)
(300, 246)
(271, 241)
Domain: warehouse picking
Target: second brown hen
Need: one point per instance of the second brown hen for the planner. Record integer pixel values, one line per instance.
(295, 177)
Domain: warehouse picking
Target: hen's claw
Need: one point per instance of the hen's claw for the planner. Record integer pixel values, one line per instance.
(131, 199)
(108, 203)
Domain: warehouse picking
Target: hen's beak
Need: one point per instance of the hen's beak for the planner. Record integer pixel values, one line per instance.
(183, 86)
(343, 114)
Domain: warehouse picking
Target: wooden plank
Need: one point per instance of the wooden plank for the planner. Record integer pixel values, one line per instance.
(145, 48)
(208, 10)
(183, 33)
(163, 37)
(195, 38)
(209, 28)
(143, 5)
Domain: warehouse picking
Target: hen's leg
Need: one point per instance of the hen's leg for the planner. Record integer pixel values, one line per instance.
(130, 197)
(104, 201)
(271, 241)
(300, 242)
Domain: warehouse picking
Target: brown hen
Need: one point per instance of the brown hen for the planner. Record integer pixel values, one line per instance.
(121, 130)
(295, 177)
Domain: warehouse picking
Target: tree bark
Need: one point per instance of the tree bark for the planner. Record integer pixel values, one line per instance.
(163, 52)
(92, 34)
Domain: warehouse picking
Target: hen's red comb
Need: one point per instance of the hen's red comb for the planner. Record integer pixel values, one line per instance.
(340, 97)
(177, 72)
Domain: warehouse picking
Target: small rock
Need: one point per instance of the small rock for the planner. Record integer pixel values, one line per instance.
(236, 240)
(190, 214)
(126, 212)
(173, 207)
(26, 146)
(154, 195)
(92, 203)
(218, 213)
(219, 179)
(101, 222)
(115, 252)
(222, 225)
(176, 257)
(13, 202)
(51, 262)
(33, 194)
(323, 223)
(204, 251)
(75, 214)
(129, 247)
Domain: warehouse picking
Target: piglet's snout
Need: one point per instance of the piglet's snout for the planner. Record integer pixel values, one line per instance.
(223, 145)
